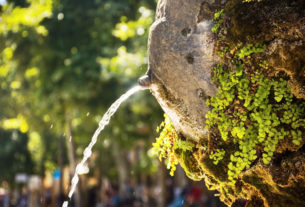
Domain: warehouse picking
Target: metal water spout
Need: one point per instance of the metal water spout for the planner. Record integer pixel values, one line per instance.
(145, 81)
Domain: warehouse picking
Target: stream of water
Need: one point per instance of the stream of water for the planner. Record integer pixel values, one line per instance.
(104, 122)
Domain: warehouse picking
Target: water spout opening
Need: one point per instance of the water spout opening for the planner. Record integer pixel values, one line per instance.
(145, 81)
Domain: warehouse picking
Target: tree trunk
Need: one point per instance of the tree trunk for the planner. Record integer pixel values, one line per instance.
(122, 165)
(61, 164)
(71, 157)
(182, 54)
(161, 196)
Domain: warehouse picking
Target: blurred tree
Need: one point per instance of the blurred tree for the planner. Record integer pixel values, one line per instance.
(60, 71)
(14, 155)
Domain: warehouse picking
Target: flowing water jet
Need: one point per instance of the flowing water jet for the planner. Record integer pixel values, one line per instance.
(104, 122)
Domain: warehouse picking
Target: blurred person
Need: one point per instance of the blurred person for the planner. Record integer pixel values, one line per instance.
(93, 196)
(6, 195)
(23, 198)
(179, 200)
(169, 190)
(193, 196)
(128, 196)
(2, 195)
(13, 198)
(47, 198)
(139, 195)
(6, 201)
(107, 197)
(61, 197)
(34, 198)
(115, 197)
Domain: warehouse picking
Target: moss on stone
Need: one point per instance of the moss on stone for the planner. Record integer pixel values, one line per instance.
(262, 50)
(190, 166)
(238, 44)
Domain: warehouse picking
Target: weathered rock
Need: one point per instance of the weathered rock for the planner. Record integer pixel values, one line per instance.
(281, 26)
(181, 55)
(280, 185)
(181, 51)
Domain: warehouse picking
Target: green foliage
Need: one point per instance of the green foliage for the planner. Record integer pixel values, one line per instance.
(14, 155)
(168, 143)
(217, 156)
(128, 29)
(250, 49)
(252, 111)
(127, 63)
(49, 69)
(14, 17)
(217, 21)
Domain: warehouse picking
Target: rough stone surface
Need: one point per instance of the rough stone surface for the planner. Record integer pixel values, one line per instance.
(181, 55)
(281, 26)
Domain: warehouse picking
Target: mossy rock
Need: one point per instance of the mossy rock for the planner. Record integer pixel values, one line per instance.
(190, 166)
(257, 24)
(262, 23)
(259, 42)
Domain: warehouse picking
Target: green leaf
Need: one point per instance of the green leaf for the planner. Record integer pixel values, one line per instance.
(278, 98)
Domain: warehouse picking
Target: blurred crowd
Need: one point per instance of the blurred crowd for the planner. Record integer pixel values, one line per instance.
(138, 196)
(191, 195)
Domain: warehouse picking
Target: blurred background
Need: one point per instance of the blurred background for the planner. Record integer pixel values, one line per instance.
(62, 64)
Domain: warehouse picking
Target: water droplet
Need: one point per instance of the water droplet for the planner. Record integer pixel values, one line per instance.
(65, 204)
(60, 16)
(82, 169)
(87, 152)
(78, 167)
(75, 179)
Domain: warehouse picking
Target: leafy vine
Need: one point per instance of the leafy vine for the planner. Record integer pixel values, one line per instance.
(169, 143)
(251, 110)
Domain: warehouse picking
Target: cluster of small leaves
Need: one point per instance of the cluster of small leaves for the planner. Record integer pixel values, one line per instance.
(217, 156)
(251, 110)
(217, 21)
(250, 49)
(168, 143)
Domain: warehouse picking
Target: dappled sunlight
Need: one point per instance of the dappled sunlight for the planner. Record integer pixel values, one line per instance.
(78, 130)
(12, 18)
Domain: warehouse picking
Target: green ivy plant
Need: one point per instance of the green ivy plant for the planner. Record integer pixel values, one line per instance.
(217, 20)
(217, 155)
(169, 143)
(251, 110)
